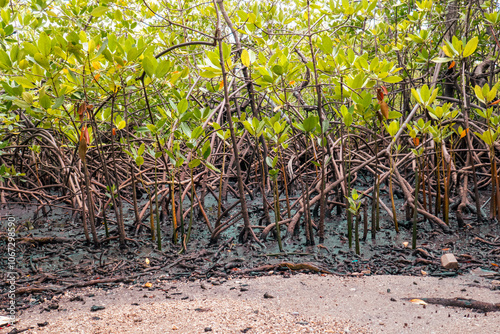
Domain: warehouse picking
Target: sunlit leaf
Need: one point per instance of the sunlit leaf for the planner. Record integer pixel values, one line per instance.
(470, 47)
(182, 106)
(245, 58)
(99, 11)
(393, 79)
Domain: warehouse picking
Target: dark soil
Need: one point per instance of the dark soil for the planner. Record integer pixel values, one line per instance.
(55, 267)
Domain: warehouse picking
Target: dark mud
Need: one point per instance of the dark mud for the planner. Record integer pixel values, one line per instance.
(56, 267)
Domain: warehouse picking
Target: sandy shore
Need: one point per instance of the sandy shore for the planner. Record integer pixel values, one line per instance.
(299, 304)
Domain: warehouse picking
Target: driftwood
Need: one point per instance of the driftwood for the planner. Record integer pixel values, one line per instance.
(43, 240)
(289, 265)
(462, 302)
(59, 288)
(487, 242)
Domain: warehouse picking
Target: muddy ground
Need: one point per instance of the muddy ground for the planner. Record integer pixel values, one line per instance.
(49, 270)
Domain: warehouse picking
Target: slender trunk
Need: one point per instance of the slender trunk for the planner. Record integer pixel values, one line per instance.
(174, 216)
(84, 215)
(356, 233)
(277, 213)
(415, 211)
(247, 229)
(90, 203)
(134, 196)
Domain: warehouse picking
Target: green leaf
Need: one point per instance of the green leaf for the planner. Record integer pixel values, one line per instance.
(214, 58)
(182, 106)
(212, 167)
(149, 64)
(152, 128)
(299, 126)
(99, 11)
(42, 60)
(133, 53)
(442, 59)
(141, 149)
(278, 69)
(194, 163)
(121, 125)
(492, 93)
(470, 47)
(392, 128)
(310, 123)
(357, 82)
(5, 60)
(21, 104)
(206, 150)
(394, 114)
(139, 160)
(486, 136)
(275, 161)
(425, 94)
(392, 79)
(209, 74)
(102, 48)
(27, 97)
(248, 126)
(59, 101)
(45, 101)
(44, 44)
(327, 44)
(347, 119)
(5, 13)
(414, 38)
(355, 195)
(24, 82)
(416, 95)
(29, 48)
(269, 161)
(197, 132)
(479, 93)
(162, 68)
(268, 78)
(433, 96)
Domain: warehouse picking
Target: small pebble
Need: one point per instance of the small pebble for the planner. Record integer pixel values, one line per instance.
(208, 329)
(95, 308)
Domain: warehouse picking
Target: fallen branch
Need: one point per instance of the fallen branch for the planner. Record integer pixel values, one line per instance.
(289, 265)
(496, 244)
(103, 280)
(59, 288)
(461, 302)
(43, 240)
